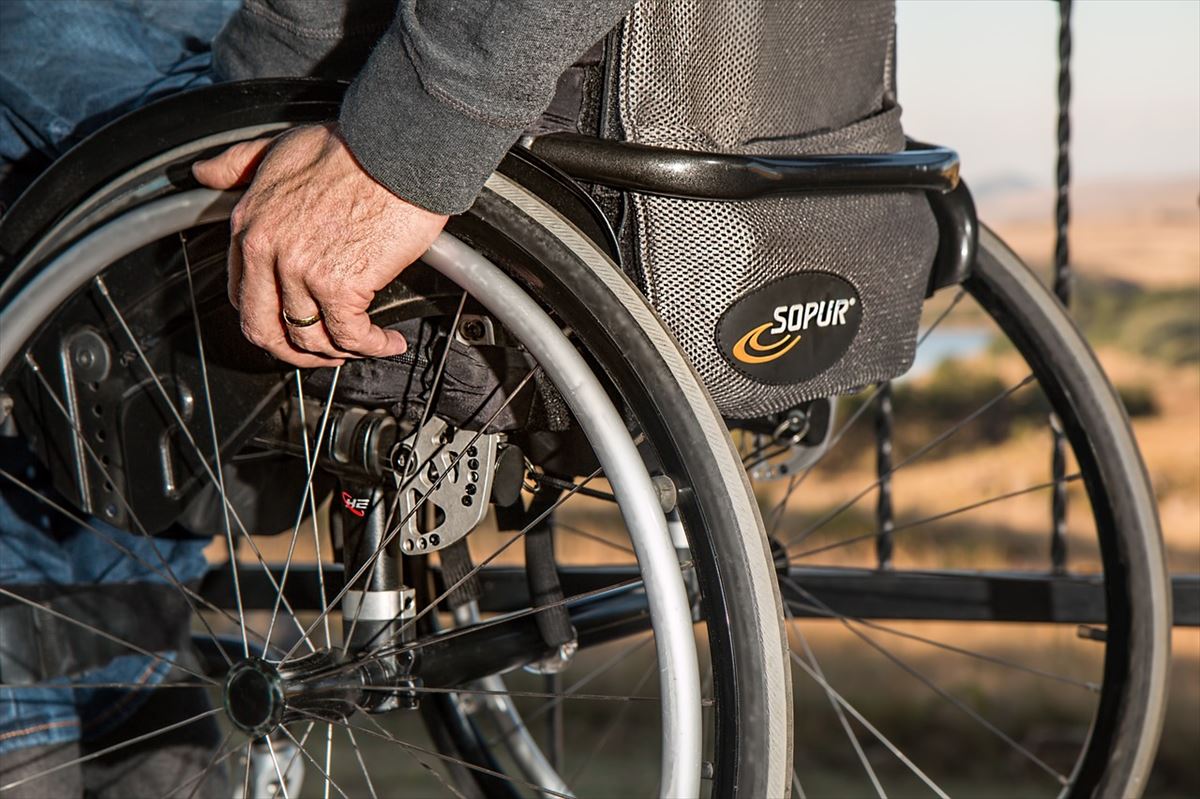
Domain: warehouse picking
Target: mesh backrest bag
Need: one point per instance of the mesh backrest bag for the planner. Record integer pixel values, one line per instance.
(779, 300)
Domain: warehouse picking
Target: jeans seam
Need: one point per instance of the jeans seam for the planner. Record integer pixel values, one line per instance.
(129, 696)
(49, 725)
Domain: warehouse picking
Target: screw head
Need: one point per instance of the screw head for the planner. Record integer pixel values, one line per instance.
(473, 330)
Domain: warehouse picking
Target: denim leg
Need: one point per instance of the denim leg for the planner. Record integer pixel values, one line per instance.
(69, 66)
(66, 68)
(40, 546)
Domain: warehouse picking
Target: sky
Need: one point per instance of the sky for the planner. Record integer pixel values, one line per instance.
(980, 76)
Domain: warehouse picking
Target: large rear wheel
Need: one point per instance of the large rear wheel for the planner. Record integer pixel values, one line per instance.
(641, 596)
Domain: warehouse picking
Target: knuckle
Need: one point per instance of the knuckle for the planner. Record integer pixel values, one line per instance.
(344, 340)
(238, 217)
(322, 284)
(253, 334)
(254, 243)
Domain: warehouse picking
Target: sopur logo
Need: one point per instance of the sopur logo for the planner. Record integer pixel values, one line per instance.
(789, 320)
(790, 329)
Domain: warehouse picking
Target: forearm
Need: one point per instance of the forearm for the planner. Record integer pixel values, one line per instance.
(451, 85)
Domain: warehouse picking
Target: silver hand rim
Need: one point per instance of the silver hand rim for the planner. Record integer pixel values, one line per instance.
(614, 447)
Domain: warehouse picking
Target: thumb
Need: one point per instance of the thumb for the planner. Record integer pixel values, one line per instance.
(233, 167)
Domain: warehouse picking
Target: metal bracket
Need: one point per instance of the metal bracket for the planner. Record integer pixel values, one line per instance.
(456, 487)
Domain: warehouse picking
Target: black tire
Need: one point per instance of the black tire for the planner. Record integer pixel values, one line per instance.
(1125, 732)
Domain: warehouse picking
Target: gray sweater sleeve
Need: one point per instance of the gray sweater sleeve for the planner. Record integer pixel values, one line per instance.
(448, 88)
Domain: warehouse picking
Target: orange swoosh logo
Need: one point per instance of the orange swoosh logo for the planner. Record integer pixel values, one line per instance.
(750, 343)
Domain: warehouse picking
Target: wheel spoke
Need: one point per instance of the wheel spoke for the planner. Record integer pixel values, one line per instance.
(927, 447)
(316, 765)
(943, 693)
(187, 433)
(310, 458)
(220, 755)
(140, 560)
(499, 551)
(599, 539)
(796, 481)
(557, 700)
(879, 736)
(137, 523)
(306, 498)
(845, 542)
(426, 413)
(329, 763)
(87, 686)
(612, 726)
(109, 749)
(387, 736)
(96, 631)
(494, 622)
(358, 756)
(837, 709)
(999, 661)
(419, 689)
(432, 771)
(216, 445)
(395, 531)
(275, 763)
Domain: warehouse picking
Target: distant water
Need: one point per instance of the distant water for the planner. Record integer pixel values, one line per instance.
(944, 344)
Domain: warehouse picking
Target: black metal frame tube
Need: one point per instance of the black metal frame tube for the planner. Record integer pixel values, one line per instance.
(692, 175)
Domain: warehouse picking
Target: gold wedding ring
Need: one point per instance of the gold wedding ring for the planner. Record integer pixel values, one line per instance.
(305, 321)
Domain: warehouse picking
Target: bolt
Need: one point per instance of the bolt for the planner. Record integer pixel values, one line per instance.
(467, 502)
(84, 358)
(471, 488)
(473, 330)
(473, 477)
(472, 451)
(473, 465)
(400, 457)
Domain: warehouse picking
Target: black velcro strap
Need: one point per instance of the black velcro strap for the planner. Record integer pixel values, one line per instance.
(37, 645)
(457, 565)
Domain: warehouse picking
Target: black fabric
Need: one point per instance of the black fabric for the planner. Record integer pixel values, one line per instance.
(36, 646)
(456, 565)
(477, 382)
(541, 571)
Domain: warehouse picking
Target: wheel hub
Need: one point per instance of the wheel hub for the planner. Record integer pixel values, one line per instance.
(254, 697)
(259, 696)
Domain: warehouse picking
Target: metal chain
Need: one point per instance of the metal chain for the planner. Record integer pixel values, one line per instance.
(1062, 277)
(1062, 207)
(885, 521)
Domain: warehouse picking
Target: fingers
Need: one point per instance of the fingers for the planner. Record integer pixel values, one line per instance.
(262, 320)
(351, 330)
(298, 303)
(234, 271)
(234, 167)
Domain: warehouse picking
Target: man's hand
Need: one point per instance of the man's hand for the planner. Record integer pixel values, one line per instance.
(314, 234)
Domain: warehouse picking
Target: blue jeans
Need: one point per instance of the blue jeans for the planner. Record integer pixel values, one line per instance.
(66, 68)
(69, 66)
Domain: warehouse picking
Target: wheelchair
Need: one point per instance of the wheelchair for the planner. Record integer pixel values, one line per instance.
(621, 609)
